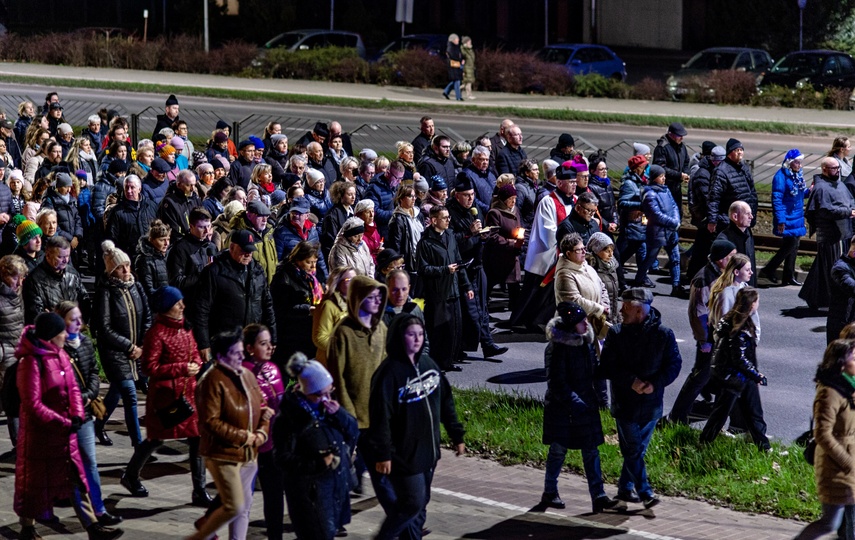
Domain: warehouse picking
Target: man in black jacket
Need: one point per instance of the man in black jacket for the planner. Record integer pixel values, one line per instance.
(181, 197)
(443, 283)
(581, 219)
(240, 173)
(53, 281)
(732, 181)
(423, 140)
(509, 158)
(738, 231)
(437, 160)
(321, 162)
(233, 293)
(169, 117)
(319, 134)
(671, 154)
(466, 224)
(131, 218)
(190, 255)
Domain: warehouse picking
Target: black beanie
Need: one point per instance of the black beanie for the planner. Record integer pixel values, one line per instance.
(48, 326)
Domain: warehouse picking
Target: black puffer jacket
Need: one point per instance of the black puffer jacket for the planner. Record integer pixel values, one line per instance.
(731, 182)
(11, 322)
(44, 289)
(185, 262)
(150, 267)
(174, 210)
(128, 222)
(83, 358)
(229, 296)
(68, 224)
(121, 318)
(699, 192)
(292, 297)
(432, 165)
(735, 357)
(103, 188)
(606, 204)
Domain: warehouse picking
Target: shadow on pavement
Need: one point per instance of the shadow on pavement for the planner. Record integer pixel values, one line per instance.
(520, 377)
(529, 527)
(803, 312)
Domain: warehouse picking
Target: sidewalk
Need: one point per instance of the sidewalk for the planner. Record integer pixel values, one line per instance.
(472, 498)
(841, 119)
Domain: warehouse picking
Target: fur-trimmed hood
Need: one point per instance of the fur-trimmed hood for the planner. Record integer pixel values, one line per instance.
(556, 334)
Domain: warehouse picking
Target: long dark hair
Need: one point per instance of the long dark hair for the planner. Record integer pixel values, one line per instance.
(739, 315)
(834, 357)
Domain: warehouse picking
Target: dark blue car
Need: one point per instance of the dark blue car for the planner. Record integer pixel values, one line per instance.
(582, 58)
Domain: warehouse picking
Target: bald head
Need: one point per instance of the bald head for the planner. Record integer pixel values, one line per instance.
(740, 214)
(506, 123)
(830, 167)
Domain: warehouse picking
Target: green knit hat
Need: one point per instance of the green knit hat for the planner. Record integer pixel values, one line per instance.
(26, 231)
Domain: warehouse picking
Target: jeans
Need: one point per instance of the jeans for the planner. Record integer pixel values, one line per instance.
(829, 522)
(672, 247)
(456, 85)
(633, 439)
(695, 382)
(127, 391)
(590, 460)
(752, 412)
(409, 512)
(86, 443)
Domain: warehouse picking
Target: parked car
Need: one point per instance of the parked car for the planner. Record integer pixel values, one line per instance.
(691, 76)
(304, 40)
(434, 44)
(581, 58)
(820, 68)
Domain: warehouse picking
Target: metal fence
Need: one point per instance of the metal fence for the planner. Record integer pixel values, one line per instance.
(75, 112)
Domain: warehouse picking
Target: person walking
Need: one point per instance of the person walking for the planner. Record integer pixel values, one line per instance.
(834, 421)
(455, 60)
(468, 65)
(788, 217)
(841, 303)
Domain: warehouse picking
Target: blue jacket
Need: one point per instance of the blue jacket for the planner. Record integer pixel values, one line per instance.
(484, 184)
(629, 200)
(285, 236)
(659, 207)
(320, 202)
(383, 196)
(788, 203)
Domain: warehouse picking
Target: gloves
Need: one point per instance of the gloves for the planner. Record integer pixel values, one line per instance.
(76, 423)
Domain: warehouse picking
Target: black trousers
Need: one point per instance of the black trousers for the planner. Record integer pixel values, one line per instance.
(695, 382)
(444, 325)
(476, 318)
(748, 401)
(786, 255)
(700, 251)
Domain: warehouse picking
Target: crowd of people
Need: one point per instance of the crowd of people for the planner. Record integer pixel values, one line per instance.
(290, 308)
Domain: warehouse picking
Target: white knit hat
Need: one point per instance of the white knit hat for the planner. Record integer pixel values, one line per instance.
(113, 256)
(311, 374)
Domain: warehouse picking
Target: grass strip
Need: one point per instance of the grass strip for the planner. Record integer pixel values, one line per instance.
(563, 115)
(730, 472)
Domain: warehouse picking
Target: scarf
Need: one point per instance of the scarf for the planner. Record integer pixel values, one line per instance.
(268, 187)
(314, 285)
(65, 198)
(605, 180)
(73, 341)
(86, 155)
(849, 378)
(798, 182)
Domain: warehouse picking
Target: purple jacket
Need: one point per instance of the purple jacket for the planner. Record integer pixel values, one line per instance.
(272, 386)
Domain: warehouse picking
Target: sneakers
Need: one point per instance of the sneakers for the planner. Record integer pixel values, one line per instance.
(96, 531)
(678, 291)
(552, 500)
(604, 502)
(134, 486)
(646, 283)
(649, 501)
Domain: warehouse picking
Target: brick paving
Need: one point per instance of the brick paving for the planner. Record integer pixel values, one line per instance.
(472, 498)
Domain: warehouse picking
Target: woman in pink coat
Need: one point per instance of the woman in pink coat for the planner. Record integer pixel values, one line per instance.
(51, 413)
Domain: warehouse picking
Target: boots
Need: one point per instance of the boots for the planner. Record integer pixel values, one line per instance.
(28, 532)
(197, 474)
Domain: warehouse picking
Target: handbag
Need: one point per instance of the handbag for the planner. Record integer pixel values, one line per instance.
(177, 411)
(810, 444)
(96, 406)
(455, 64)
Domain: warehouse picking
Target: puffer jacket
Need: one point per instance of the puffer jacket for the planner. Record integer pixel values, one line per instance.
(788, 203)
(606, 204)
(44, 289)
(106, 185)
(672, 157)
(580, 283)
(11, 322)
(431, 165)
(121, 319)
(286, 236)
(734, 361)
(83, 358)
(319, 201)
(68, 224)
(405, 231)
(629, 205)
(168, 351)
(607, 271)
(663, 216)
(381, 193)
(229, 407)
(128, 222)
(150, 267)
(484, 184)
(231, 296)
(174, 210)
(834, 431)
(526, 200)
(49, 463)
(731, 182)
(509, 158)
(699, 191)
(185, 261)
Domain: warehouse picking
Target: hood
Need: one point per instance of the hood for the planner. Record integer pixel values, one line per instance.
(556, 334)
(360, 287)
(30, 345)
(395, 347)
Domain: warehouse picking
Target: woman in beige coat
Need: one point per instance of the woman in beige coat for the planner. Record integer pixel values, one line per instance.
(834, 431)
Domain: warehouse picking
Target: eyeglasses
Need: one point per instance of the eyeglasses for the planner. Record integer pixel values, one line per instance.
(586, 210)
(833, 168)
(580, 250)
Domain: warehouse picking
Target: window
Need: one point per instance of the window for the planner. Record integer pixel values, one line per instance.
(744, 61)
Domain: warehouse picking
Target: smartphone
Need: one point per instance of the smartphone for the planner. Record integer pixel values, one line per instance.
(764, 382)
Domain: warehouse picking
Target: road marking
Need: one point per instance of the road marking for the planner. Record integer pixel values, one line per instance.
(522, 510)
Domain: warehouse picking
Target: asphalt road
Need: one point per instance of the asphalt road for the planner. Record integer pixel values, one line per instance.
(793, 338)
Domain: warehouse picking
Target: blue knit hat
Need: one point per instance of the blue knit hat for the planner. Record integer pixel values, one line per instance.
(164, 298)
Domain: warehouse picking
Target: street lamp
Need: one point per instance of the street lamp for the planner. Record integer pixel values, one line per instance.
(802, 4)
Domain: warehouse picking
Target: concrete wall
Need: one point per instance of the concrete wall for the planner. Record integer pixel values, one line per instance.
(654, 24)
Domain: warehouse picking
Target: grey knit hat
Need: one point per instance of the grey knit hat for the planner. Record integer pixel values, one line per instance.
(598, 242)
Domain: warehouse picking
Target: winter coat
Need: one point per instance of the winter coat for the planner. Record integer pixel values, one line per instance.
(607, 272)
(279, 163)
(788, 203)
(317, 494)
(44, 288)
(526, 200)
(48, 463)
(409, 308)
(575, 223)
(231, 295)
(88, 379)
(731, 182)
(663, 216)
(319, 202)
(699, 191)
(11, 323)
(382, 194)
(484, 184)
(324, 320)
(154, 189)
(407, 404)
(734, 357)
(673, 157)
(841, 300)
(647, 351)
(606, 203)
(185, 262)
(240, 173)
(629, 207)
(128, 222)
(355, 350)
(699, 296)
(168, 351)
(471, 245)
(502, 250)
(329, 169)
(286, 237)
(31, 262)
(468, 65)
(580, 283)
(509, 158)
(106, 185)
(272, 386)
(333, 221)
(453, 53)
(121, 318)
(744, 242)
(834, 432)
(174, 210)
(292, 300)
(421, 144)
(68, 224)
(344, 254)
(150, 267)
(405, 231)
(571, 413)
(431, 165)
(264, 243)
(229, 407)
(435, 252)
